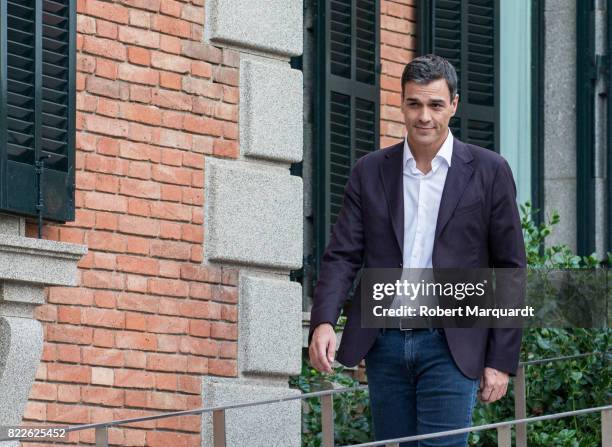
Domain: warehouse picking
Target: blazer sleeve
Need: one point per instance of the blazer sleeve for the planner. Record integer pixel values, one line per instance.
(506, 249)
(342, 258)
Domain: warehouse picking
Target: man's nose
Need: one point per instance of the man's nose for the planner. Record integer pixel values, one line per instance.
(425, 116)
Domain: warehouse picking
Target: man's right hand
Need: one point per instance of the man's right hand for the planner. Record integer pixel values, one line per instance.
(322, 347)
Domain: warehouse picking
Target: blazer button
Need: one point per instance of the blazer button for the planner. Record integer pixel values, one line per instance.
(401, 265)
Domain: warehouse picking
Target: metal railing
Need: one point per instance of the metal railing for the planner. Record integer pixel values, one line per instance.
(327, 415)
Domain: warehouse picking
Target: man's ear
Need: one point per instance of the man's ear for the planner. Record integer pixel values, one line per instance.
(455, 103)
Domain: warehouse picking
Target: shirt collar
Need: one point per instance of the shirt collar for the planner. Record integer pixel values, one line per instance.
(445, 152)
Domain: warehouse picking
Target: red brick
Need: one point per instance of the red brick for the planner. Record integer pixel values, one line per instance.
(136, 283)
(164, 439)
(70, 295)
(171, 7)
(85, 25)
(102, 376)
(199, 328)
(139, 151)
(228, 349)
(70, 414)
(103, 338)
(166, 325)
(134, 264)
(172, 157)
(170, 62)
(134, 379)
(228, 331)
(150, 5)
(139, 18)
(139, 37)
(108, 11)
(43, 391)
(169, 25)
(141, 113)
(166, 362)
(197, 365)
(225, 75)
(136, 340)
(140, 170)
(202, 69)
(107, 183)
(169, 269)
(139, 56)
(103, 318)
(105, 221)
(202, 87)
(102, 280)
(138, 75)
(108, 165)
(138, 245)
(106, 126)
(230, 94)
(225, 148)
(202, 51)
(169, 174)
(135, 359)
(59, 372)
(170, 44)
(204, 106)
(135, 301)
(135, 321)
(166, 382)
(107, 146)
(36, 411)
(69, 334)
(102, 357)
(168, 343)
(171, 99)
(171, 250)
(171, 193)
(69, 314)
(138, 225)
(193, 13)
(104, 47)
(171, 81)
(106, 29)
(225, 368)
(198, 346)
(168, 287)
(189, 384)
(140, 93)
(103, 396)
(105, 299)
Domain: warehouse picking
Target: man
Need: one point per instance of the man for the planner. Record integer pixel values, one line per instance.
(429, 201)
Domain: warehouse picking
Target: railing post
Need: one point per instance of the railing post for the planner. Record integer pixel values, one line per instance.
(101, 436)
(520, 406)
(504, 436)
(327, 420)
(606, 427)
(218, 418)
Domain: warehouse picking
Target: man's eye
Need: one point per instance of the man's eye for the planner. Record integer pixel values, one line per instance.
(436, 106)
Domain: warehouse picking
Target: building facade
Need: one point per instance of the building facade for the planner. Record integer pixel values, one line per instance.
(194, 155)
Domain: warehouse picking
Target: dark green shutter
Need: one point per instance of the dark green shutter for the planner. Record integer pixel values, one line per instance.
(37, 109)
(466, 32)
(346, 101)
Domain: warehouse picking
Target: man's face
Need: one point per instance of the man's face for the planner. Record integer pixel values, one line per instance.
(427, 109)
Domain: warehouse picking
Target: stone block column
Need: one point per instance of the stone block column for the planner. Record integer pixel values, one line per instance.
(254, 219)
(27, 266)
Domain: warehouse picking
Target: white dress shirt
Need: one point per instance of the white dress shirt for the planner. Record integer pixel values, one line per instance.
(422, 194)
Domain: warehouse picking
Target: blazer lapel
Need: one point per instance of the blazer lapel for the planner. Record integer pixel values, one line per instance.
(391, 172)
(457, 179)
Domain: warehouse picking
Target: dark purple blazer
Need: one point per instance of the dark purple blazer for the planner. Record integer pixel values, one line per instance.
(478, 226)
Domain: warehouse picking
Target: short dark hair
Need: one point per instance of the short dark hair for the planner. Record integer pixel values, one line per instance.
(429, 68)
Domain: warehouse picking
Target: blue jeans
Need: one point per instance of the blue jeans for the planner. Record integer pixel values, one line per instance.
(416, 388)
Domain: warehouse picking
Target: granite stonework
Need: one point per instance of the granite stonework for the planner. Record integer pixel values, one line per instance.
(27, 266)
(560, 182)
(271, 109)
(269, 425)
(253, 215)
(270, 26)
(270, 320)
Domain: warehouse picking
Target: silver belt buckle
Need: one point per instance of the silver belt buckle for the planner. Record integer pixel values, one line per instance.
(404, 328)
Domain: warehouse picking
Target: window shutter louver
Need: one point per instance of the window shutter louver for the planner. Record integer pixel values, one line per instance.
(466, 32)
(347, 101)
(38, 87)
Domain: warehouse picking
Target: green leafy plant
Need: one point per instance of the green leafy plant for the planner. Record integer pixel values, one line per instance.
(551, 387)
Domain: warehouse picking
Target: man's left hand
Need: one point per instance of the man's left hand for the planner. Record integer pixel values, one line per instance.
(493, 385)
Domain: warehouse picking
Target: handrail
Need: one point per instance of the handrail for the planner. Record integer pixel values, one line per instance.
(326, 403)
(458, 431)
(216, 408)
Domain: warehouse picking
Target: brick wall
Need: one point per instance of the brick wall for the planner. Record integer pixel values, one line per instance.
(147, 319)
(398, 47)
